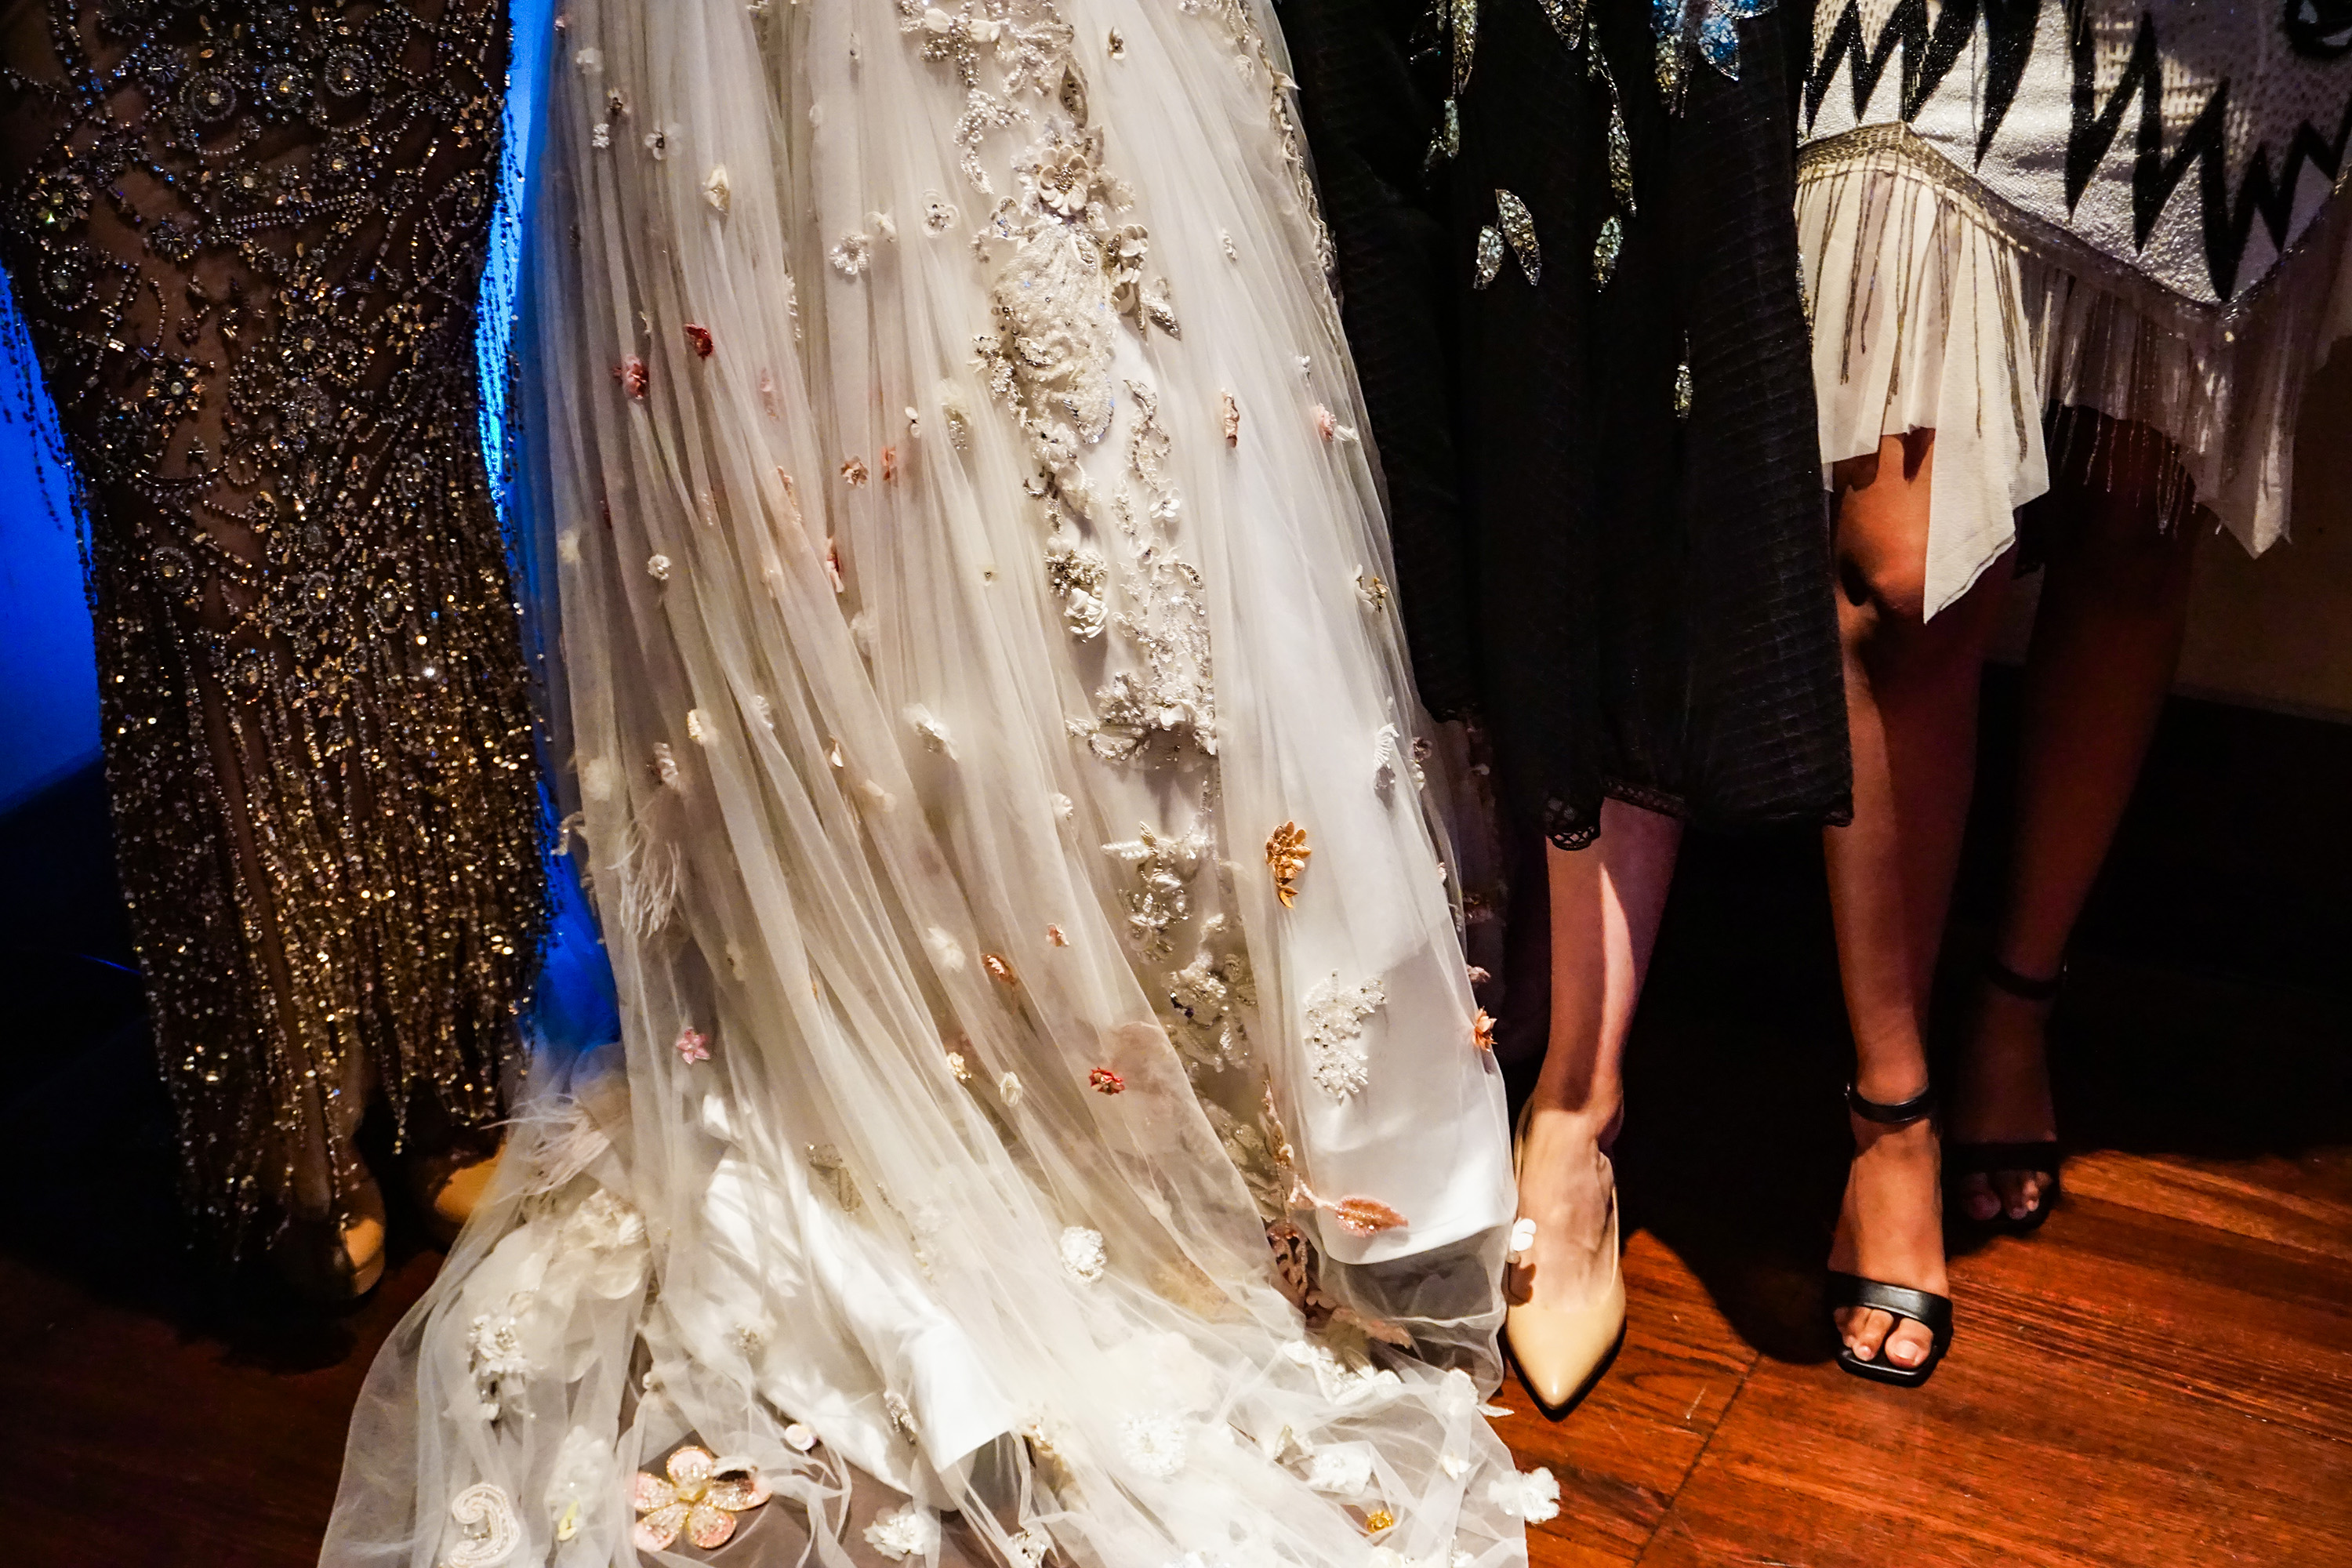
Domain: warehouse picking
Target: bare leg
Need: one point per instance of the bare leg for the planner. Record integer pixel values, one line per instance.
(1606, 901)
(1911, 694)
(2106, 642)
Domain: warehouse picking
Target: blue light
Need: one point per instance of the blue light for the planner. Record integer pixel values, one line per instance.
(49, 683)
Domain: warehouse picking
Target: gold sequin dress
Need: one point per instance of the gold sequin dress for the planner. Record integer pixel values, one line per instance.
(247, 241)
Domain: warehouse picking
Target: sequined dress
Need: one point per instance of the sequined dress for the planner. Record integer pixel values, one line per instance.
(1609, 531)
(247, 242)
(2016, 215)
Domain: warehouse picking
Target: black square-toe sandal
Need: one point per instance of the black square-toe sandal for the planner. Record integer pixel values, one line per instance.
(1932, 1311)
(2041, 1157)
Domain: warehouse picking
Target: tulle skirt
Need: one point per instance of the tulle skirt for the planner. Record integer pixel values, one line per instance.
(995, 754)
(1936, 306)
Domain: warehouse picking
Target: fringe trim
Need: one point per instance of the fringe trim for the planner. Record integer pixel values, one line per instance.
(2200, 399)
(349, 888)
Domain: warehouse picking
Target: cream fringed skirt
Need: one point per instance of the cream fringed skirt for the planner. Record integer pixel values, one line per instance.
(1936, 306)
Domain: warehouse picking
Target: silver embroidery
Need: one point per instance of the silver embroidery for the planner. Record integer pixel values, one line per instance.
(1520, 228)
(1208, 997)
(1254, 58)
(1621, 144)
(1169, 706)
(1165, 865)
(1463, 18)
(1076, 574)
(1446, 145)
(1334, 1024)
(1604, 251)
(1567, 19)
(1490, 256)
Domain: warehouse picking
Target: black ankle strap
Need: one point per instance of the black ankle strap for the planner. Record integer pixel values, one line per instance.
(1897, 1115)
(2024, 987)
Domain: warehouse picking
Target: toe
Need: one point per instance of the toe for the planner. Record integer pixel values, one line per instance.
(2020, 1192)
(1909, 1343)
(1866, 1331)
(1977, 1195)
(2036, 1191)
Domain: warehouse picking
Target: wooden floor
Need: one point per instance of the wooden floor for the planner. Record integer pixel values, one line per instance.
(2162, 1378)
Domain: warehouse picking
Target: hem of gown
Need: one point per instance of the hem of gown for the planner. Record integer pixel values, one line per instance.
(2075, 329)
(1895, 142)
(1814, 813)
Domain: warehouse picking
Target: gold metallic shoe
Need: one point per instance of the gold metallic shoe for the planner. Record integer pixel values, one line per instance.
(333, 1259)
(449, 1185)
(1561, 1350)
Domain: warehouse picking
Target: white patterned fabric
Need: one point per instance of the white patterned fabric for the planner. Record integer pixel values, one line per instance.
(980, 743)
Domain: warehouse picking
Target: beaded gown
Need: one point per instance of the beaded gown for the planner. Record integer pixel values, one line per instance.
(247, 241)
(1570, 279)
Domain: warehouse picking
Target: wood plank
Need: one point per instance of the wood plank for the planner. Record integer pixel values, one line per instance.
(1623, 1454)
(134, 1443)
(2244, 1325)
(2301, 1201)
(2127, 1390)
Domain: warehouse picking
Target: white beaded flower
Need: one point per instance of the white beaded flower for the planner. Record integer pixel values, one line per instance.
(1082, 1254)
(1342, 1471)
(1532, 1496)
(908, 1532)
(1154, 1444)
(851, 255)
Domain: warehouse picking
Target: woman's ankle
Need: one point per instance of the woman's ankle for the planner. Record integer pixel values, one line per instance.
(1594, 1118)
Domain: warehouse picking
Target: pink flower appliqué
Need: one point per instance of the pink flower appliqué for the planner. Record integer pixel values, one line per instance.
(693, 1045)
(700, 1499)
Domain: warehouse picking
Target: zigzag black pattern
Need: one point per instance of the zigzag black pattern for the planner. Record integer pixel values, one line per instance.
(2226, 225)
(1929, 54)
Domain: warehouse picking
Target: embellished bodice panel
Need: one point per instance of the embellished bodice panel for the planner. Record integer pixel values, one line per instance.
(2195, 143)
(247, 240)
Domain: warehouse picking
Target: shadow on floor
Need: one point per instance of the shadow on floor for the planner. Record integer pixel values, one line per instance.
(89, 1163)
(2208, 1011)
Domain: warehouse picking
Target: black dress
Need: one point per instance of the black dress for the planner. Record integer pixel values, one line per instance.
(1569, 270)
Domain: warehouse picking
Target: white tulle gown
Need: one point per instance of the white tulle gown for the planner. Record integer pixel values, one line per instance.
(994, 741)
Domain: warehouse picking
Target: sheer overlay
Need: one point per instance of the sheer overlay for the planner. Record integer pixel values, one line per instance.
(994, 748)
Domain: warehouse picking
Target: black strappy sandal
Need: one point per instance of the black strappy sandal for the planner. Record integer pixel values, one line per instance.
(1931, 1312)
(2042, 1157)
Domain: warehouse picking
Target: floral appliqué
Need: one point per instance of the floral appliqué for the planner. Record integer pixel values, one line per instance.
(494, 1356)
(1286, 857)
(1334, 1024)
(1530, 1495)
(700, 1499)
(1083, 1258)
(488, 1530)
(909, 1531)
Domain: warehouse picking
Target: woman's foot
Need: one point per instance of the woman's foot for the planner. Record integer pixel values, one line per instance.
(1890, 1229)
(335, 1258)
(449, 1185)
(2004, 1099)
(1566, 1295)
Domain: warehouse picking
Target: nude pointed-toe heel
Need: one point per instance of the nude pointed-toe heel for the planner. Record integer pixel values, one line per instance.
(1561, 1350)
